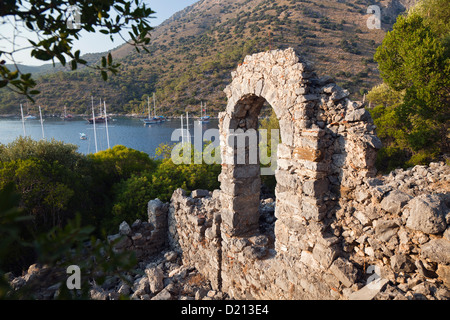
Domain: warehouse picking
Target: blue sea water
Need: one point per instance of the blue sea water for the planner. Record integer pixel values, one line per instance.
(129, 132)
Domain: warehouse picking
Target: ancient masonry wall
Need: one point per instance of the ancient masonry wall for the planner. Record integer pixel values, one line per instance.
(391, 240)
(337, 227)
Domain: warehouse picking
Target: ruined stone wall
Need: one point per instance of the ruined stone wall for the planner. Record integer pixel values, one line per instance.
(336, 225)
(392, 232)
(194, 232)
(144, 238)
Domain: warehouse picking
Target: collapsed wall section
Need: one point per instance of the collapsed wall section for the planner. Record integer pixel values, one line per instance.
(144, 238)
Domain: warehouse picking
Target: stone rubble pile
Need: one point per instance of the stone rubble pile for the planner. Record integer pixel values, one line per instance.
(163, 277)
(401, 224)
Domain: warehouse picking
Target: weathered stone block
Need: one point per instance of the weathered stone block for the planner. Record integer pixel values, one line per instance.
(427, 213)
(312, 211)
(199, 193)
(402, 263)
(372, 141)
(318, 169)
(344, 271)
(283, 164)
(311, 142)
(240, 222)
(315, 188)
(395, 201)
(287, 179)
(284, 151)
(339, 94)
(290, 198)
(386, 229)
(308, 259)
(308, 154)
(157, 213)
(437, 250)
(124, 229)
(365, 221)
(443, 272)
(155, 277)
(246, 171)
(325, 255)
(287, 131)
(357, 115)
(239, 187)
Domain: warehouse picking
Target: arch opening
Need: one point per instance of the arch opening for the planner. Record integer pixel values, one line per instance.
(250, 161)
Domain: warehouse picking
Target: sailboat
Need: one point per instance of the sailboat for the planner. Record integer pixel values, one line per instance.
(155, 119)
(100, 118)
(29, 116)
(149, 120)
(204, 118)
(67, 117)
(158, 119)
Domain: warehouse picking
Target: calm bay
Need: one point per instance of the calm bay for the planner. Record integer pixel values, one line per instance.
(126, 131)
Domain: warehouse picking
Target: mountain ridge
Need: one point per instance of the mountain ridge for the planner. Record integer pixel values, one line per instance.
(193, 53)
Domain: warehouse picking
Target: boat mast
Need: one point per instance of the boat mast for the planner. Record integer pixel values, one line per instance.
(182, 131)
(154, 104)
(148, 105)
(106, 123)
(93, 121)
(23, 121)
(187, 128)
(42, 123)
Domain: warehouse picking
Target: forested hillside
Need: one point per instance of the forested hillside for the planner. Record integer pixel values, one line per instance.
(193, 53)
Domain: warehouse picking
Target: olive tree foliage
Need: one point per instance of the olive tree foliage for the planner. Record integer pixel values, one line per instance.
(56, 29)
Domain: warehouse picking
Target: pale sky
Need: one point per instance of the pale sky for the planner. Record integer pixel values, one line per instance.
(90, 43)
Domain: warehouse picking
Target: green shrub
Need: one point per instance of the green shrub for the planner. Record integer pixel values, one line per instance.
(132, 195)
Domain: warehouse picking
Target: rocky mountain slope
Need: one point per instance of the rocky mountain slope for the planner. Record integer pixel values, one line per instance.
(193, 53)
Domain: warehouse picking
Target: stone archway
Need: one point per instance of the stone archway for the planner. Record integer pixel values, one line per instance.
(328, 147)
(319, 127)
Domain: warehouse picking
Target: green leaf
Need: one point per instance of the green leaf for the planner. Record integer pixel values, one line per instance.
(41, 55)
